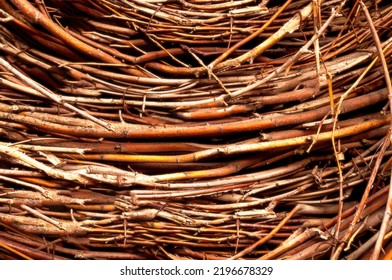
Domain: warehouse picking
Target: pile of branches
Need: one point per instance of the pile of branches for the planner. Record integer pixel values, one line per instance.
(193, 129)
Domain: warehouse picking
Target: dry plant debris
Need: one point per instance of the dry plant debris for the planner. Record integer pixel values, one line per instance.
(193, 129)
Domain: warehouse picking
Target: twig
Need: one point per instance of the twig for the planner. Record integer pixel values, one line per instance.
(45, 92)
(268, 236)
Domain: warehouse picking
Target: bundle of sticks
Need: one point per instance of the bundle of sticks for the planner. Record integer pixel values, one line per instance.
(193, 129)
